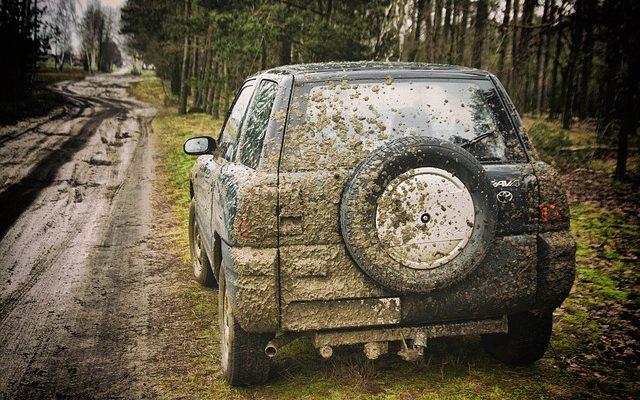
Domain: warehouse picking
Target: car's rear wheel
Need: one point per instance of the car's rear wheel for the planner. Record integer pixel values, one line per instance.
(242, 353)
(526, 341)
(200, 262)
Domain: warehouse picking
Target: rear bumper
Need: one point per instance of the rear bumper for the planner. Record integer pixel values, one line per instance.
(525, 272)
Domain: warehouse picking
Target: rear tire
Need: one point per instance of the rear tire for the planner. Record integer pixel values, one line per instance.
(202, 271)
(243, 359)
(526, 342)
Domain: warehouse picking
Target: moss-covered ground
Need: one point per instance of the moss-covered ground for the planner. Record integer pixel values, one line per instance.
(594, 349)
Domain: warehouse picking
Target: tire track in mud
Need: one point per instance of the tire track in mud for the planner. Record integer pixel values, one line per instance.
(8, 304)
(76, 277)
(73, 109)
(19, 196)
(106, 362)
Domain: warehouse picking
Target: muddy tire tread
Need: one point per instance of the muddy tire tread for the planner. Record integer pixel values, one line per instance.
(525, 343)
(248, 364)
(207, 278)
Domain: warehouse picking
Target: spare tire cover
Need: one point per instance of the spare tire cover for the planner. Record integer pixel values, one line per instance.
(418, 214)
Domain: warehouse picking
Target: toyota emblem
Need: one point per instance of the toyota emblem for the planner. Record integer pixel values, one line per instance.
(504, 196)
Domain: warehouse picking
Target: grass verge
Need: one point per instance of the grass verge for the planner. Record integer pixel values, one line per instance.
(593, 352)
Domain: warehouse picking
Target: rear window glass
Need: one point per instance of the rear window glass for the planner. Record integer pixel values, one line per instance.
(255, 126)
(229, 137)
(336, 124)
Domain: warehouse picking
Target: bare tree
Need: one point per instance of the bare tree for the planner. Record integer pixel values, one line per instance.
(63, 23)
(184, 85)
(91, 35)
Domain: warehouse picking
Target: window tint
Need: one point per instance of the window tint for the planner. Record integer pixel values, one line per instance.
(255, 126)
(230, 134)
(336, 124)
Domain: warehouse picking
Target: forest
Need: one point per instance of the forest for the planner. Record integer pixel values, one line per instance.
(562, 59)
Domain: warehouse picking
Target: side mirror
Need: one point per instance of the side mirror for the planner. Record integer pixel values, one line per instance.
(199, 145)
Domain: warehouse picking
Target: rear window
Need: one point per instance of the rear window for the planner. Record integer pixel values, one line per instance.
(336, 124)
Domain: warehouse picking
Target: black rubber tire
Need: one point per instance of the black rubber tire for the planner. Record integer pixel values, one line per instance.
(247, 363)
(525, 343)
(201, 266)
(368, 182)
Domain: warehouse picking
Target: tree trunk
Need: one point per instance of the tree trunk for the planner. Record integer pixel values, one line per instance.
(184, 85)
(454, 33)
(539, 61)
(630, 30)
(263, 54)
(437, 21)
(504, 28)
(479, 30)
(285, 50)
(553, 93)
(175, 76)
(195, 83)
(587, 58)
(612, 64)
(463, 32)
(205, 70)
(545, 64)
(217, 89)
(224, 96)
(576, 42)
(419, 5)
(447, 29)
(514, 42)
(522, 64)
(428, 50)
(627, 128)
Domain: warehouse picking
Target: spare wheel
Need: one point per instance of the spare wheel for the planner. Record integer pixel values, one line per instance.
(418, 214)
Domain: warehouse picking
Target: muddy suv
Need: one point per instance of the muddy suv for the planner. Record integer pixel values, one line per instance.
(377, 204)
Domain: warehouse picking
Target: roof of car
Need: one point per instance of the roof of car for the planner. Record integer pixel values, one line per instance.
(319, 71)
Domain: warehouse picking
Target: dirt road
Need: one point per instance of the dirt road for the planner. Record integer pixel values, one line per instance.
(76, 266)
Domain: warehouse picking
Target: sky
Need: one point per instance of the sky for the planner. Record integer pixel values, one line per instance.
(110, 3)
(80, 6)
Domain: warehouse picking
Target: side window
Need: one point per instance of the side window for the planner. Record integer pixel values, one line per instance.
(230, 133)
(255, 127)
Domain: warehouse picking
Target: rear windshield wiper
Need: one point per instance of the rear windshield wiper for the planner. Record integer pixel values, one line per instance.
(477, 139)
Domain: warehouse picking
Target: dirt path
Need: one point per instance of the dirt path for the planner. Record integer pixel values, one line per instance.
(76, 265)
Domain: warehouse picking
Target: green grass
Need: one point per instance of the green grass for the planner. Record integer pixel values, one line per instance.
(586, 358)
(46, 76)
(171, 131)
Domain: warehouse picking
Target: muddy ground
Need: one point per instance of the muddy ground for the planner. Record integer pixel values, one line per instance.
(81, 287)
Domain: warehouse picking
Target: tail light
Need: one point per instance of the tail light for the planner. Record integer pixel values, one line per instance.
(244, 228)
(550, 213)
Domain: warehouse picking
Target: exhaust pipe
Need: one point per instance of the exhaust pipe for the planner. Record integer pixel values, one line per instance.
(271, 350)
(272, 347)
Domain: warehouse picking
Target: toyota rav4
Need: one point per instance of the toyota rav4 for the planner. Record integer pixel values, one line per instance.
(376, 204)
